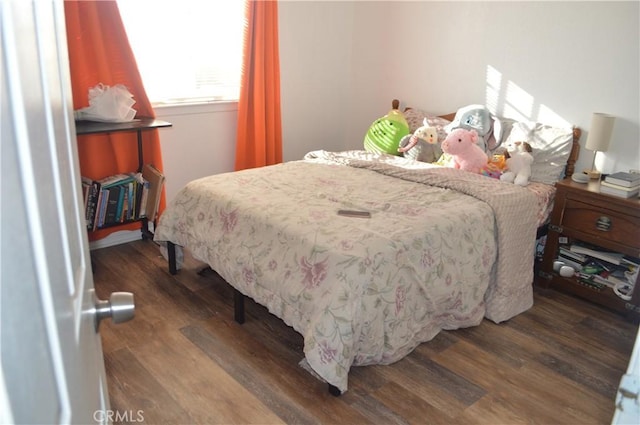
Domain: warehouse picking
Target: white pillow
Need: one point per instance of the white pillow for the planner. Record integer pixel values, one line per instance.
(551, 148)
(501, 129)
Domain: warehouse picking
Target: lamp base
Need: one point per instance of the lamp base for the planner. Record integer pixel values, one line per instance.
(593, 174)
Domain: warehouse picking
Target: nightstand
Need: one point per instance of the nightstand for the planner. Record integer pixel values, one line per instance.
(582, 214)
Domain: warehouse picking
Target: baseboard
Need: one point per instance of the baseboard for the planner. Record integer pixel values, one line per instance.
(117, 238)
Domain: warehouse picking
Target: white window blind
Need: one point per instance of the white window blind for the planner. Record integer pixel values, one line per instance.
(187, 51)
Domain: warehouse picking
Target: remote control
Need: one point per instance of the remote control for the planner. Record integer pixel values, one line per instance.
(353, 213)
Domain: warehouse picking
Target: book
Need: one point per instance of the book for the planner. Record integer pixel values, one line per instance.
(87, 185)
(125, 206)
(143, 197)
(123, 191)
(112, 205)
(96, 213)
(622, 192)
(631, 261)
(92, 201)
(115, 180)
(623, 178)
(130, 201)
(608, 256)
(86, 190)
(566, 252)
(141, 193)
(617, 186)
(102, 207)
(156, 180)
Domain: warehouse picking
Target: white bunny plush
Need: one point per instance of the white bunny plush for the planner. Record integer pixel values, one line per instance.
(518, 164)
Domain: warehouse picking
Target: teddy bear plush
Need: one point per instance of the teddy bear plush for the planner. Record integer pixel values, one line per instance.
(518, 164)
(462, 145)
(422, 145)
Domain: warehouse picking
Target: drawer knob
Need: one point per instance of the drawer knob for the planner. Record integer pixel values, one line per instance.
(603, 223)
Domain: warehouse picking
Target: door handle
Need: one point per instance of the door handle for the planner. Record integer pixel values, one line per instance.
(120, 307)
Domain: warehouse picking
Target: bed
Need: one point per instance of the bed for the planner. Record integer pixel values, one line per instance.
(442, 249)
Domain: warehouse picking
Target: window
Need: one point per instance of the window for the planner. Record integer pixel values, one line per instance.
(187, 51)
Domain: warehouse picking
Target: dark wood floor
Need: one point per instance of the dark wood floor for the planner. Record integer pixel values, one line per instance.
(184, 360)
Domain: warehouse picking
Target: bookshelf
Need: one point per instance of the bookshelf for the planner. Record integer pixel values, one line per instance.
(583, 216)
(137, 126)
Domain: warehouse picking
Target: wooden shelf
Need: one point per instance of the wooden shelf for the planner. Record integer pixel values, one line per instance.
(139, 125)
(95, 127)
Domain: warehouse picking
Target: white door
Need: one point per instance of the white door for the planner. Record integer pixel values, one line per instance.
(628, 397)
(51, 355)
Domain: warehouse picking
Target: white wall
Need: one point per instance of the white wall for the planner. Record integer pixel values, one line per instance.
(200, 143)
(556, 61)
(343, 62)
(315, 72)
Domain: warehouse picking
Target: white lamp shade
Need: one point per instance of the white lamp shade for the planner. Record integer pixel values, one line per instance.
(600, 132)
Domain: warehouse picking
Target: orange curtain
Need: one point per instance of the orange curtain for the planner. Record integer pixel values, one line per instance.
(99, 52)
(259, 135)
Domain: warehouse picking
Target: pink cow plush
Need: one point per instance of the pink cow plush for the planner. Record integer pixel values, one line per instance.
(467, 155)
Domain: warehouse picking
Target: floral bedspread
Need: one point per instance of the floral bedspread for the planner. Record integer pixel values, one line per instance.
(434, 255)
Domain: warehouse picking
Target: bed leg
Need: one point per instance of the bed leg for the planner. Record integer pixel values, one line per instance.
(204, 271)
(171, 253)
(238, 306)
(334, 391)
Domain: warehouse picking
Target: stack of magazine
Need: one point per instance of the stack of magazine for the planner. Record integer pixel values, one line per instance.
(600, 269)
(622, 184)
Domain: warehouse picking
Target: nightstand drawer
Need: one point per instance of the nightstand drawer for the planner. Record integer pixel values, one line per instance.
(601, 222)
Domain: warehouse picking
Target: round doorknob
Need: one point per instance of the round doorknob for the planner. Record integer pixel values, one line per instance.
(120, 307)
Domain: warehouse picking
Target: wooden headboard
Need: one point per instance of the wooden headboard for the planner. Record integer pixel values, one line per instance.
(575, 151)
(575, 147)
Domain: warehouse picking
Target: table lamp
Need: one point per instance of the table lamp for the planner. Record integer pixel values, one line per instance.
(599, 139)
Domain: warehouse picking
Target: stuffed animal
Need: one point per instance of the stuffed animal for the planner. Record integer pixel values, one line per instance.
(422, 145)
(467, 155)
(385, 133)
(518, 164)
(497, 164)
(478, 118)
